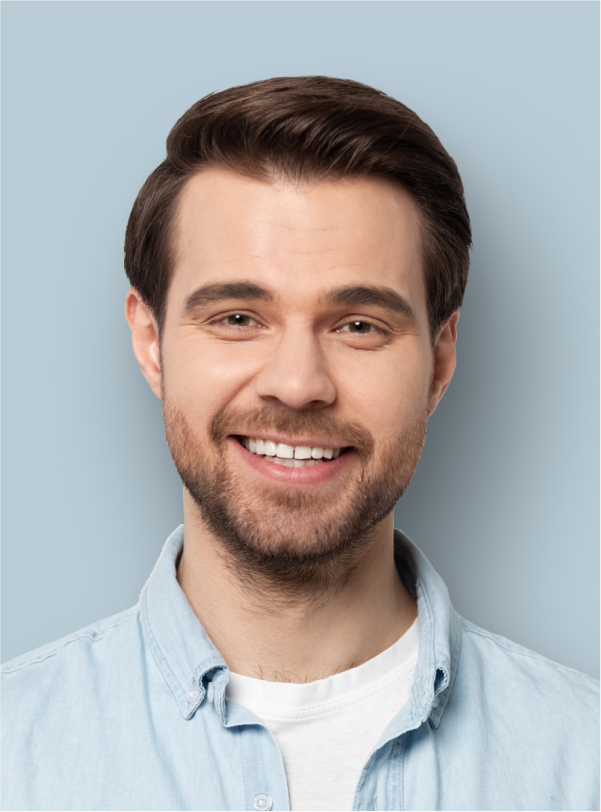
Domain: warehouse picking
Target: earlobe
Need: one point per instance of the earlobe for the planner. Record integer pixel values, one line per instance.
(144, 339)
(445, 359)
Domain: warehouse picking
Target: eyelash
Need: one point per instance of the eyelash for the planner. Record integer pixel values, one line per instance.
(223, 320)
(374, 327)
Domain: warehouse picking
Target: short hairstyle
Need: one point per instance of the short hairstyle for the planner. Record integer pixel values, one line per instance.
(306, 128)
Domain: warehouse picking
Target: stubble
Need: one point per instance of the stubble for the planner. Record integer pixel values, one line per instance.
(296, 540)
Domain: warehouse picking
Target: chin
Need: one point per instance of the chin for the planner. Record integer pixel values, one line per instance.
(292, 535)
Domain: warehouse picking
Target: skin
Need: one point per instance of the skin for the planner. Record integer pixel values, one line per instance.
(296, 352)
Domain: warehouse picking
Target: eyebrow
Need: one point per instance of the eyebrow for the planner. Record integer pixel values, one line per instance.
(386, 298)
(358, 295)
(207, 294)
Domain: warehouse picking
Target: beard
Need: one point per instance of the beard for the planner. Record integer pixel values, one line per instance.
(298, 540)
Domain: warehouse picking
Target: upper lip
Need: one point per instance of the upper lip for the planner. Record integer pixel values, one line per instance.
(276, 438)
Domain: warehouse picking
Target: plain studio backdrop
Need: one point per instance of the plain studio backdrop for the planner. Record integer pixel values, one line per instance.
(505, 500)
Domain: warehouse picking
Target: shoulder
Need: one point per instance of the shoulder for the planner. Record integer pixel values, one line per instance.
(513, 671)
(71, 653)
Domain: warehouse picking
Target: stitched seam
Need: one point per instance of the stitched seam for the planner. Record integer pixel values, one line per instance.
(156, 642)
(65, 644)
(151, 639)
(402, 771)
(437, 714)
(532, 656)
(362, 780)
(432, 650)
(389, 779)
(244, 771)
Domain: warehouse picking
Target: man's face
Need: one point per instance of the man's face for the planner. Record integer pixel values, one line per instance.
(296, 317)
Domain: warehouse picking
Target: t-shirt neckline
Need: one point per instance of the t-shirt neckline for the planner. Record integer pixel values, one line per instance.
(280, 699)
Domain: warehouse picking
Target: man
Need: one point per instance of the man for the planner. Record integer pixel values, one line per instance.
(297, 265)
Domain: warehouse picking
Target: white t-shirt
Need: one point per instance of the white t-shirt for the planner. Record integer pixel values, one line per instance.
(327, 729)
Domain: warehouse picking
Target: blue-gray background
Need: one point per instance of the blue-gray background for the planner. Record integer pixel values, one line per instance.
(505, 501)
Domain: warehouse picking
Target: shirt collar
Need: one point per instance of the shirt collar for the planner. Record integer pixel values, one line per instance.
(440, 636)
(181, 647)
(188, 659)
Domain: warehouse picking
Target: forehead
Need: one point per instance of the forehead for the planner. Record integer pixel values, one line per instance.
(298, 240)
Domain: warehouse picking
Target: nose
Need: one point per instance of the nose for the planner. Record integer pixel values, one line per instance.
(296, 373)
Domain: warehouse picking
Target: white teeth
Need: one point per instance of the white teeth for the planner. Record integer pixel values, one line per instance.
(288, 455)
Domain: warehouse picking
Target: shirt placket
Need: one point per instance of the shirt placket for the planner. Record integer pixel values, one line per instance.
(265, 784)
(380, 785)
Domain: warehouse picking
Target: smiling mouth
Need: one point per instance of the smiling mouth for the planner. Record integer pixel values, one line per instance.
(300, 456)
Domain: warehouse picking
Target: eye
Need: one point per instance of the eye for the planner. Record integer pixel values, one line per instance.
(363, 335)
(239, 320)
(361, 327)
(235, 326)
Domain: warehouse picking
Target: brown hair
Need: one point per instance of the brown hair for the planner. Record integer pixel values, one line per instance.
(306, 128)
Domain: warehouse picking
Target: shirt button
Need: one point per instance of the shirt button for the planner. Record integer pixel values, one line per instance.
(262, 802)
(192, 695)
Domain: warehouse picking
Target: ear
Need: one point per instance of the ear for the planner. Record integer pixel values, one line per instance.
(445, 358)
(144, 339)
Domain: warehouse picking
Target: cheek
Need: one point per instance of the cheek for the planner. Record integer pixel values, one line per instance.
(202, 377)
(386, 392)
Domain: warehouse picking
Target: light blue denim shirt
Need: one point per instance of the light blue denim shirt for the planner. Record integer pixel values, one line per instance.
(119, 716)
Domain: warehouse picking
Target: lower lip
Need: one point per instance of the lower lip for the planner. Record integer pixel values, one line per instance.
(311, 475)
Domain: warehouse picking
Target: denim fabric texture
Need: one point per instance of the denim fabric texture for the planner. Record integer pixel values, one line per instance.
(119, 716)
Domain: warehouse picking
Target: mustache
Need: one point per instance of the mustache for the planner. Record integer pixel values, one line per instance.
(280, 419)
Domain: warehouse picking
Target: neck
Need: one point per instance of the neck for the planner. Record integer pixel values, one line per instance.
(268, 634)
